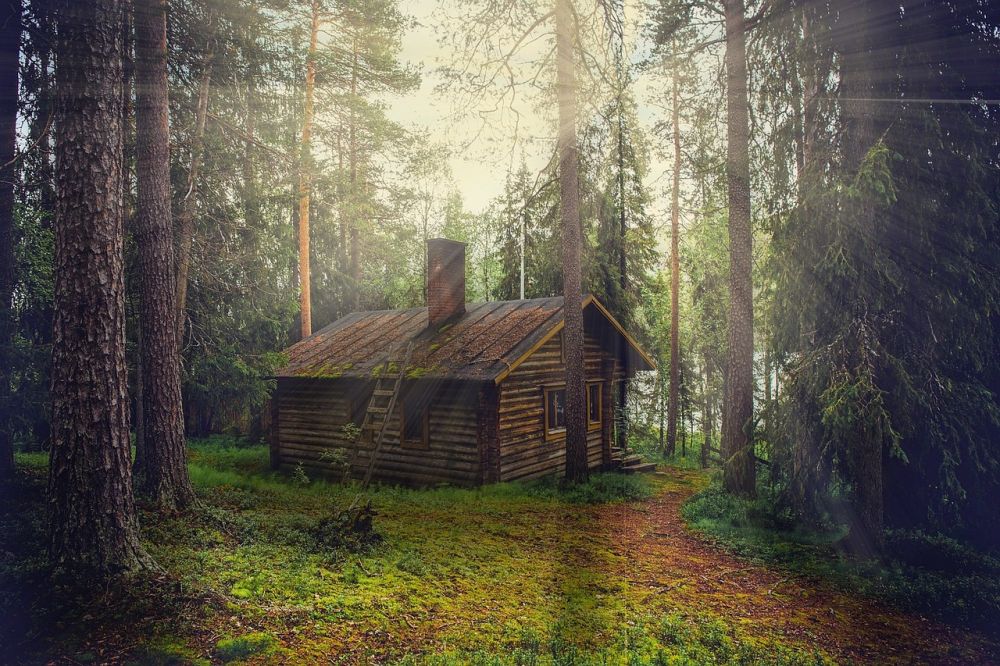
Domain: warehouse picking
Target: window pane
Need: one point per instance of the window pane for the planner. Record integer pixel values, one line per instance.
(560, 400)
(413, 422)
(359, 405)
(594, 403)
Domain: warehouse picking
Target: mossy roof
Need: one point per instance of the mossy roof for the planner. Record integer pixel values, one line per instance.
(485, 343)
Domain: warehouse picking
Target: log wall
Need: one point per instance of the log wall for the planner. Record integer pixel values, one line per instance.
(311, 413)
(524, 451)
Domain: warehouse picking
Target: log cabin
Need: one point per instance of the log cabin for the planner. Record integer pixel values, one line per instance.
(480, 398)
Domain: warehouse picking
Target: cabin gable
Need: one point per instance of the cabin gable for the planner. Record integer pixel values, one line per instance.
(530, 445)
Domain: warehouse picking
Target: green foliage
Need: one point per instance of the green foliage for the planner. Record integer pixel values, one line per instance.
(930, 574)
(599, 488)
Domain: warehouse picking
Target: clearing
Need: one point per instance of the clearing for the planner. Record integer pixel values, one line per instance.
(513, 573)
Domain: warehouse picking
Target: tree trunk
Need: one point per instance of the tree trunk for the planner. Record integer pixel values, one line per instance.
(661, 404)
(737, 442)
(858, 87)
(93, 527)
(810, 90)
(185, 221)
(572, 239)
(355, 208)
(251, 202)
(675, 277)
(162, 473)
(622, 313)
(305, 177)
(706, 420)
(10, 43)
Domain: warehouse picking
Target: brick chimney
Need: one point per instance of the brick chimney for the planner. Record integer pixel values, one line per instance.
(445, 280)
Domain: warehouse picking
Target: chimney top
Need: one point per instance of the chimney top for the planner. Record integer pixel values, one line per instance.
(445, 280)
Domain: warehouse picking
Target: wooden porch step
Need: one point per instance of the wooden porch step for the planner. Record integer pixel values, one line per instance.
(639, 468)
(632, 459)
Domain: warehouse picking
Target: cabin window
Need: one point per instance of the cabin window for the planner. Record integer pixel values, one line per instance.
(357, 407)
(593, 405)
(415, 425)
(555, 412)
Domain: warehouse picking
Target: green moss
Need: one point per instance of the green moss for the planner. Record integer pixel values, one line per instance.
(167, 652)
(512, 573)
(416, 372)
(241, 647)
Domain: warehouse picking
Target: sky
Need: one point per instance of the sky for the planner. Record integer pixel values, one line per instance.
(480, 170)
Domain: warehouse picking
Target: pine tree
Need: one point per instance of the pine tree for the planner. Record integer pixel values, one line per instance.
(10, 42)
(160, 467)
(576, 428)
(739, 464)
(93, 524)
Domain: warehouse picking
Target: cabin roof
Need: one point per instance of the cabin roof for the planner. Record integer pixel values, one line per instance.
(485, 343)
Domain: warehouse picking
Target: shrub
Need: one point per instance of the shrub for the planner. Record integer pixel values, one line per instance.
(598, 489)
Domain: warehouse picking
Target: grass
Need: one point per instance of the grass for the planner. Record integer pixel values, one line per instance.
(515, 573)
(929, 574)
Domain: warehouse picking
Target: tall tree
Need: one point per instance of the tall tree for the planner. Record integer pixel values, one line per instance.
(572, 239)
(675, 267)
(10, 45)
(739, 473)
(305, 172)
(185, 220)
(93, 525)
(161, 469)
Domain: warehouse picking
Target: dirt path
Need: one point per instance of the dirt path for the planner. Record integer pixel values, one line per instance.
(679, 569)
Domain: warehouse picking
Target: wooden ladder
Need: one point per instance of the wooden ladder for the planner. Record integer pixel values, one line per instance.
(380, 408)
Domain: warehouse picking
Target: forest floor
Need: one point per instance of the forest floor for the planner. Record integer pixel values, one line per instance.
(507, 574)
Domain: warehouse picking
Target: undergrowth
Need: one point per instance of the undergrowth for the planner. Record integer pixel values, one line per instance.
(926, 573)
(513, 573)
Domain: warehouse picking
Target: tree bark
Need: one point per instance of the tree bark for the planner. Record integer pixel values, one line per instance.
(10, 44)
(675, 277)
(739, 473)
(185, 220)
(661, 404)
(162, 472)
(93, 527)
(622, 430)
(572, 240)
(706, 419)
(355, 209)
(305, 176)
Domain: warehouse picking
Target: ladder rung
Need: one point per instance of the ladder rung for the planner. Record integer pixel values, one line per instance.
(378, 410)
(383, 392)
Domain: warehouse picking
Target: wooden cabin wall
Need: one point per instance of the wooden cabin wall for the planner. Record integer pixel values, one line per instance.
(311, 413)
(524, 452)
